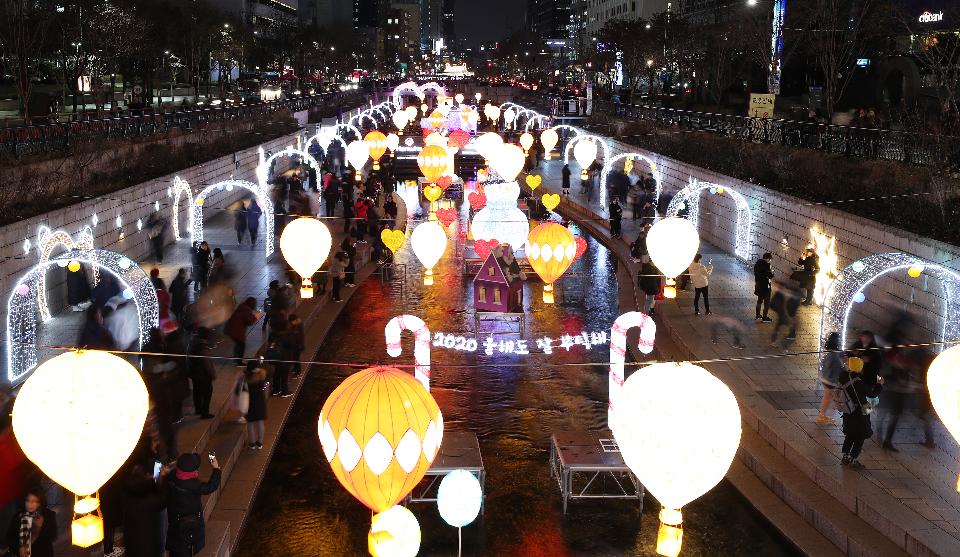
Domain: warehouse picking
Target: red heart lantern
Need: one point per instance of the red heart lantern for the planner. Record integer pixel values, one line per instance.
(446, 215)
(477, 200)
(483, 247)
(459, 138)
(444, 182)
(581, 248)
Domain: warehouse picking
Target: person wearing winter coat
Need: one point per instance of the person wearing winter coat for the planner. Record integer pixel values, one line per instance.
(700, 277)
(240, 222)
(253, 220)
(830, 376)
(145, 498)
(866, 349)
(186, 534)
(202, 373)
(256, 379)
(856, 421)
(33, 530)
(650, 281)
(616, 218)
(296, 341)
(762, 286)
(811, 266)
(565, 174)
(243, 317)
(338, 273)
(179, 293)
(201, 265)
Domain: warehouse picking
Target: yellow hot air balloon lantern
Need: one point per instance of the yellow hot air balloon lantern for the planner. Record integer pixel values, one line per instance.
(549, 139)
(436, 119)
(433, 162)
(78, 417)
(943, 381)
(550, 249)
(380, 430)
(377, 145)
(305, 244)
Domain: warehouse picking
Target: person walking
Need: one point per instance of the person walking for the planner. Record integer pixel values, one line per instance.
(278, 360)
(296, 342)
(202, 373)
(810, 263)
(616, 218)
(201, 265)
(33, 530)
(565, 179)
(240, 222)
(145, 498)
(650, 281)
(338, 272)
(856, 411)
(179, 293)
(350, 250)
(635, 196)
(243, 317)
(331, 193)
(866, 348)
(155, 227)
(347, 215)
(256, 380)
(785, 304)
(186, 531)
(830, 376)
(763, 286)
(700, 277)
(218, 265)
(253, 220)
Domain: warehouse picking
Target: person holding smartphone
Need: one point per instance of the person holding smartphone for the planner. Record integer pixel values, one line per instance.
(700, 277)
(186, 532)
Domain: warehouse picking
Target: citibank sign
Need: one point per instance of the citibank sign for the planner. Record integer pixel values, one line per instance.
(927, 17)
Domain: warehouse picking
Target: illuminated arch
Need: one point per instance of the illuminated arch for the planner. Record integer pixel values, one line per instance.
(855, 277)
(437, 89)
(263, 169)
(359, 118)
(379, 111)
(47, 240)
(690, 197)
(22, 304)
(608, 168)
(410, 88)
(580, 137)
(545, 122)
(576, 131)
(180, 187)
(262, 198)
(323, 139)
(349, 127)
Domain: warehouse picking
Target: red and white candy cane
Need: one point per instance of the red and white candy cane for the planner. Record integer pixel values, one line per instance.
(421, 346)
(618, 352)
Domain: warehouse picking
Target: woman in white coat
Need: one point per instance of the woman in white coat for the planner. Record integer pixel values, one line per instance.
(700, 277)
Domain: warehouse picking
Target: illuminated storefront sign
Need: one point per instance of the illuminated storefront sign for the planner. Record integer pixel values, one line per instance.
(928, 17)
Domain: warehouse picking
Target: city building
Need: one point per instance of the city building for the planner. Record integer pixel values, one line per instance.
(548, 19)
(449, 34)
(431, 25)
(266, 17)
(326, 13)
(368, 13)
(599, 12)
(401, 41)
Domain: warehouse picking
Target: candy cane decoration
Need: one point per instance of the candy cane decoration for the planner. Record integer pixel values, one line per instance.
(421, 347)
(618, 352)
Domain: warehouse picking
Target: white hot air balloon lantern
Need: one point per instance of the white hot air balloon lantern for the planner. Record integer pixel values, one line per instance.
(78, 417)
(943, 381)
(400, 119)
(394, 533)
(526, 141)
(429, 241)
(507, 161)
(305, 243)
(549, 139)
(411, 112)
(459, 98)
(509, 115)
(672, 244)
(585, 152)
(393, 141)
(678, 429)
(358, 153)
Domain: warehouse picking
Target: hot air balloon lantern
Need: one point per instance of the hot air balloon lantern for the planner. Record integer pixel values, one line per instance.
(526, 141)
(305, 243)
(78, 417)
(400, 119)
(433, 162)
(357, 155)
(551, 248)
(549, 139)
(377, 146)
(392, 141)
(672, 244)
(585, 153)
(943, 381)
(429, 241)
(436, 120)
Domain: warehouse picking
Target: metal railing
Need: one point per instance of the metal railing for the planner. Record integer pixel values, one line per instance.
(865, 143)
(32, 140)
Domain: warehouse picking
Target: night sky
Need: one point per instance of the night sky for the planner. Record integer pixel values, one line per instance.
(488, 20)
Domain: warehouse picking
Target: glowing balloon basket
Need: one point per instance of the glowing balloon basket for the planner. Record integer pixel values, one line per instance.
(78, 417)
(305, 243)
(943, 381)
(678, 428)
(672, 244)
(394, 533)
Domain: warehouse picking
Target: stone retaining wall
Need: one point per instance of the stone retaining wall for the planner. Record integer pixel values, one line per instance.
(778, 216)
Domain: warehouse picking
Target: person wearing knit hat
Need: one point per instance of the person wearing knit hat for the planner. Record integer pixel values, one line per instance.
(186, 534)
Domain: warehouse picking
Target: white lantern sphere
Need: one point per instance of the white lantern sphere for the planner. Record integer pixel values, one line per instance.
(549, 139)
(507, 161)
(943, 381)
(393, 141)
(305, 243)
(585, 152)
(400, 119)
(494, 113)
(459, 498)
(459, 98)
(678, 428)
(411, 112)
(672, 244)
(429, 241)
(501, 219)
(509, 115)
(394, 533)
(526, 141)
(79, 416)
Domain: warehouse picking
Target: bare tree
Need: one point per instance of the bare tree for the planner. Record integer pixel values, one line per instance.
(23, 30)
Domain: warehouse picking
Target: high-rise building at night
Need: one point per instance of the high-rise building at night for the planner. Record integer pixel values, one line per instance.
(268, 17)
(449, 35)
(431, 23)
(599, 12)
(327, 13)
(548, 18)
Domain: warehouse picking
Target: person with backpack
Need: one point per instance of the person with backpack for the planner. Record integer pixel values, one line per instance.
(850, 399)
(830, 376)
(186, 532)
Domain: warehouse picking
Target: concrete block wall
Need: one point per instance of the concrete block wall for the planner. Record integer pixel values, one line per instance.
(777, 216)
(130, 204)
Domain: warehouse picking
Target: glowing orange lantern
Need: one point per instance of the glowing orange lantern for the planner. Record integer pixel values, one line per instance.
(377, 144)
(551, 248)
(433, 162)
(380, 430)
(460, 139)
(436, 119)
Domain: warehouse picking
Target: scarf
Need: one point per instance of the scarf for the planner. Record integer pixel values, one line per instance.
(26, 529)
(181, 475)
